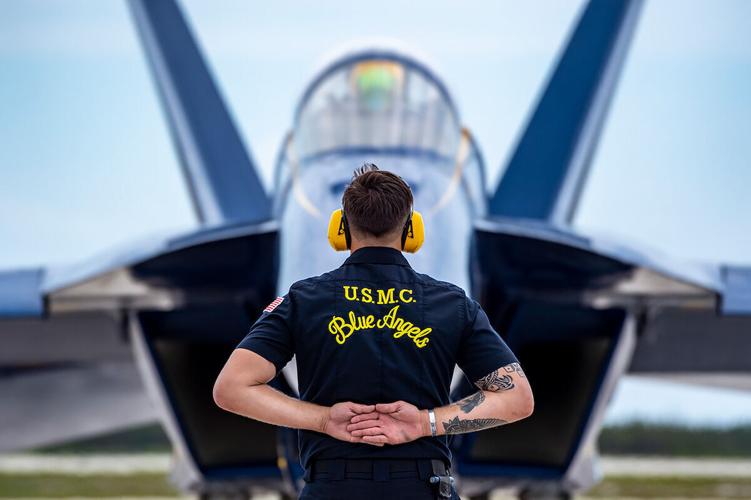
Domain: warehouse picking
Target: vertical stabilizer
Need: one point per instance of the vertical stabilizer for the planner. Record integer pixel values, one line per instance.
(223, 181)
(544, 178)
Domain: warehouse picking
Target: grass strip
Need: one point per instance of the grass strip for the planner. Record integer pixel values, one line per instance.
(97, 486)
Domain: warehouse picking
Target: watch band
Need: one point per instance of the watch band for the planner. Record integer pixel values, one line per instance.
(431, 417)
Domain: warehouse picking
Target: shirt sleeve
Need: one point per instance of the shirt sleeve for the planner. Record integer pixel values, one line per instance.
(271, 335)
(481, 350)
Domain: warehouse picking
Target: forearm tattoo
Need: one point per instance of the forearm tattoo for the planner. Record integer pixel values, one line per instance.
(495, 382)
(456, 426)
(471, 402)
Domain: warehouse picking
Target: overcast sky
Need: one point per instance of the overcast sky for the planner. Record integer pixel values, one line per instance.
(86, 161)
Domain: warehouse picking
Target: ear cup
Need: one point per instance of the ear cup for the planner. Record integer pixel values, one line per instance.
(414, 233)
(338, 232)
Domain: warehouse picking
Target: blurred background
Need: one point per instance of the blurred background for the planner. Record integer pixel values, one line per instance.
(86, 160)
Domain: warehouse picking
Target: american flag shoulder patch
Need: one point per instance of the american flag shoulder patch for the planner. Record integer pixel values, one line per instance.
(273, 304)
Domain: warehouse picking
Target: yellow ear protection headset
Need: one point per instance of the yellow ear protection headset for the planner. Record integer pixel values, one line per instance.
(413, 234)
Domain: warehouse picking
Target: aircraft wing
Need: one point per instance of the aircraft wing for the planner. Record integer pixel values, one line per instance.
(159, 273)
(64, 329)
(602, 271)
(694, 319)
(705, 346)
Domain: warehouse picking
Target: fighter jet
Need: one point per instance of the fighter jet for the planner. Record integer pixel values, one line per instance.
(580, 310)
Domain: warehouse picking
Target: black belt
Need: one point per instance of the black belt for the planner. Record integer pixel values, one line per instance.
(376, 470)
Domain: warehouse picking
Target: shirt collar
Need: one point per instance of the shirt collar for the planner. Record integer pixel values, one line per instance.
(377, 255)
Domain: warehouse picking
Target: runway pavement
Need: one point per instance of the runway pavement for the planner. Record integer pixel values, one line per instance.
(675, 467)
(93, 464)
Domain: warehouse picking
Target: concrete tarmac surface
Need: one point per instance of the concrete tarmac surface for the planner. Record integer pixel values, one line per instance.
(93, 464)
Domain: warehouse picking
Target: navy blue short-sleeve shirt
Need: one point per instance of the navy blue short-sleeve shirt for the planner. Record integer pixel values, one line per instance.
(375, 331)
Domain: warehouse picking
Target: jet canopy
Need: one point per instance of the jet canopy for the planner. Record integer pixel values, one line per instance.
(376, 101)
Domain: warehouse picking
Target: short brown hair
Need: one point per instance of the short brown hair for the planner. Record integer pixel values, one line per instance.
(376, 202)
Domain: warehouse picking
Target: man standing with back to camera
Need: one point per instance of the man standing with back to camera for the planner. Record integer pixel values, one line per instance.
(376, 344)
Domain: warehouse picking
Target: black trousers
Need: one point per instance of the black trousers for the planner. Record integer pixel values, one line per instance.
(370, 479)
